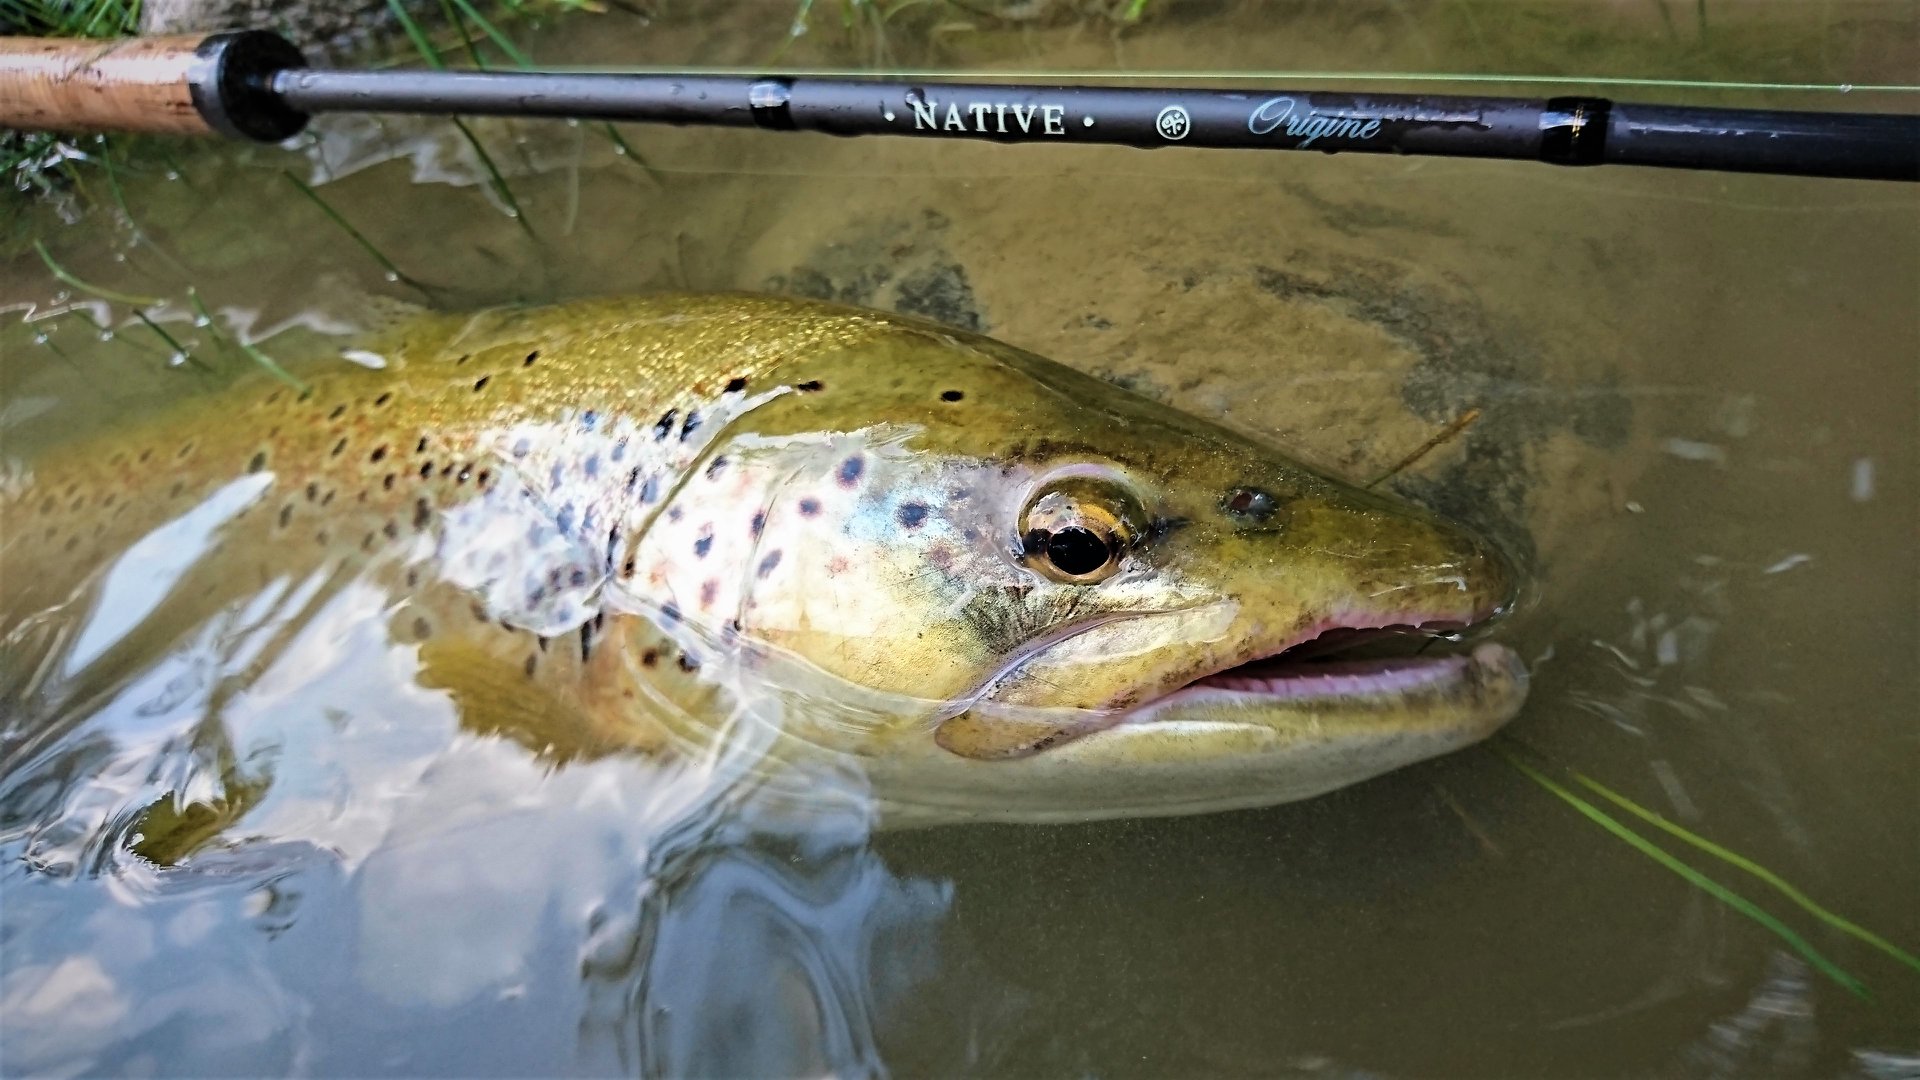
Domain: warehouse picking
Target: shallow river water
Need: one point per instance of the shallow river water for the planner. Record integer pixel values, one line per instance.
(1698, 432)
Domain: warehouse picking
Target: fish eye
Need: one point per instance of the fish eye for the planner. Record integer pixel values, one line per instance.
(1078, 531)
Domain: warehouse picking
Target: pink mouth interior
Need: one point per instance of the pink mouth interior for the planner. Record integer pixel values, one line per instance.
(1326, 678)
(1343, 659)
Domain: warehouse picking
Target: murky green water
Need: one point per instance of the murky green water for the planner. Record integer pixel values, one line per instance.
(1698, 426)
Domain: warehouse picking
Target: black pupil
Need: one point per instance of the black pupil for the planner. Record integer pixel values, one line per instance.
(1076, 551)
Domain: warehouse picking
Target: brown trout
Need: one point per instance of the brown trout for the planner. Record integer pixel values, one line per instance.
(1003, 590)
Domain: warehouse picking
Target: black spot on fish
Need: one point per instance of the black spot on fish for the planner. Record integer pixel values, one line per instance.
(465, 474)
(851, 469)
(704, 544)
(951, 395)
(337, 413)
(911, 515)
(564, 519)
(485, 478)
(664, 426)
(422, 629)
(588, 419)
(464, 357)
(649, 658)
(553, 476)
(809, 507)
(391, 528)
(577, 578)
(593, 466)
(379, 452)
(421, 446)
(259, 462)
(689, 663)
(716, 467)
(382, 399)
(620, 449)
(709, 591)
(422, 513)
(480, 383)
(736, 384)
(674, 513)
(650, 490)
(286, 514)
(810, 386)
(670, 612)
(626, 568)
(690, 425)
(586, 643)
(426, 469)
(759, 524)
(767, 564)
(531, 357)
(532, 664)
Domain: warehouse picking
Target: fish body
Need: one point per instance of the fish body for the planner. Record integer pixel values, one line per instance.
(1005, 591)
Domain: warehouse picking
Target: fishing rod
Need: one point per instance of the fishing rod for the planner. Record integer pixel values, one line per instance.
(254, 84)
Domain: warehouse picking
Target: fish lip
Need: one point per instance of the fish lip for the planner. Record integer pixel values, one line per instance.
(1298, 683)
(1491, 669)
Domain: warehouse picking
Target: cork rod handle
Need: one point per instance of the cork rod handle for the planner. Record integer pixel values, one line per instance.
(180, 85)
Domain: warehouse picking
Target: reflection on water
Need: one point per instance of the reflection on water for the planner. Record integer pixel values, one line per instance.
(1698, 423)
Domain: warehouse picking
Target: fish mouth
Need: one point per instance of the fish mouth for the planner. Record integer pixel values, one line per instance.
(1413, 674)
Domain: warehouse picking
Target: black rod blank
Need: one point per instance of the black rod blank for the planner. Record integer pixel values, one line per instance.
(1562, 131)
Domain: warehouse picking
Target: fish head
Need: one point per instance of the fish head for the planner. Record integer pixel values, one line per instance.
(1054, 599)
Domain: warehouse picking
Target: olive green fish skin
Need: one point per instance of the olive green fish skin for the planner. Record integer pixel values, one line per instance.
(635, 520)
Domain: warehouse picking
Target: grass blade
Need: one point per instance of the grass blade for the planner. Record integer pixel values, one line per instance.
(418, 36)
(93, 290)
(1693, 877)
(393, 272)
(179, 350)
(493, 33)
(1733, 858)
(273, 368)
(432, 57)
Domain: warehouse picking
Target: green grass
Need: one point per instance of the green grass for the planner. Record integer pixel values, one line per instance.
(70, 18)
(1699, 880)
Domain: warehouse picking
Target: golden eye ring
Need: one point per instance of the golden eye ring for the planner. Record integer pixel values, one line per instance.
(1078, 532)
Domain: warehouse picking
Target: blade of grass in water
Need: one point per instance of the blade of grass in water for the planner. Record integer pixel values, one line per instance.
(1693, 877)
(394, 273)
(213, 326)
(493, 33)
(186, 356)
(432, 56)
(94, 290)
(1843, 925)
(525, 63)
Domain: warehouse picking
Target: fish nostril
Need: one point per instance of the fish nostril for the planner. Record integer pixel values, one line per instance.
(1250, 504)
